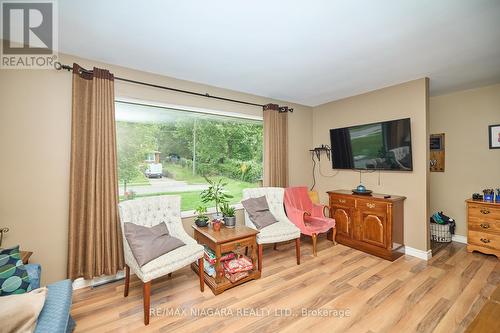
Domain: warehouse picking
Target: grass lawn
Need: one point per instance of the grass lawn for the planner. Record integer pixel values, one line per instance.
(191, 200)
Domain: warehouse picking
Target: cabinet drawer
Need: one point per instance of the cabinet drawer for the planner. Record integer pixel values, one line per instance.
(484, 212)
(484, 224)
(484, 239)
(234, 245)
(342, 201)
(371, 205)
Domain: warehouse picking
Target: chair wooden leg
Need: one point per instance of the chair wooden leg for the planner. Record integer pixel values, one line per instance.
(275, 247)
(146, 290)
(127, 281)
(246, 250)
(314, 238)
(297, 250)
(334, 236)
(259, 257)
(202, 275)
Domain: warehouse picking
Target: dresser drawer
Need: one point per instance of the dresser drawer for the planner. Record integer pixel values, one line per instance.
(484, 224)
(371, 205)
(237, 244)
(484, 239)
(484, 212)
(342, 201)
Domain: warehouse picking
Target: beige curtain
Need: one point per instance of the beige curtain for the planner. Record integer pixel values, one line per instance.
(275, 146)
(95, 242)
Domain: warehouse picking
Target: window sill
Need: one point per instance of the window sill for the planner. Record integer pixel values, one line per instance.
(192, 213)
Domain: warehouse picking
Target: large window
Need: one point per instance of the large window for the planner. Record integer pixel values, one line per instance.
(168, 151)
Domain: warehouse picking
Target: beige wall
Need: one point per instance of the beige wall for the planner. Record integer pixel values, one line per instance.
(400, 101)
(35, 118)
(470, 165)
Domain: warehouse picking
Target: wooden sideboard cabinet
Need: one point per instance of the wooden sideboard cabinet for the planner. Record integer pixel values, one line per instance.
(483, 222)
(372, 224)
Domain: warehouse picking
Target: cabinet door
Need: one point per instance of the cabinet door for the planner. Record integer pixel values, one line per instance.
(343, 221)
(373, 228)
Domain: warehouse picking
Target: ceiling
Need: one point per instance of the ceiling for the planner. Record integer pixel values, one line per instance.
(309, 52)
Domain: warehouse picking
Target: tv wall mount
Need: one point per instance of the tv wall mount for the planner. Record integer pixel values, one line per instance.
(323, 148)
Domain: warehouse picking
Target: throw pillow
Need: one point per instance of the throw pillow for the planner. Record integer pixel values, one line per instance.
(148, 244)
(20, 312)
(14, 278)
(258, 211)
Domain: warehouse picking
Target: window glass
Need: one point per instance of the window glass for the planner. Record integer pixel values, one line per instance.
(168, 151)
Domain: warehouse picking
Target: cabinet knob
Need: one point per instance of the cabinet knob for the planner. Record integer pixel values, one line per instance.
(485, 211)
(370, 205)
(484, 225)
(485, 240)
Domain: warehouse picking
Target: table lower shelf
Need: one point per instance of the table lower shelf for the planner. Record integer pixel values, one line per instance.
(225, 284)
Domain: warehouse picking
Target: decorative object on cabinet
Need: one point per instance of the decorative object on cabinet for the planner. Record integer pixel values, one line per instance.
(373, 224)
(494, 134)
(489, 195)
(437, 153)
(483, 221)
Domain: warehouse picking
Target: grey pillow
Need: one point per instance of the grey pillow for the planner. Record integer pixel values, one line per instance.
(258, 211)
(149, 243)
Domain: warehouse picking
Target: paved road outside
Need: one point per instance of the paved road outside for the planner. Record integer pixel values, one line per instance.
(159, 185)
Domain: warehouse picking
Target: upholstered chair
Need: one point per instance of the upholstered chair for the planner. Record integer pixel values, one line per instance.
(281, 231)
(307, 216)
(150, 212)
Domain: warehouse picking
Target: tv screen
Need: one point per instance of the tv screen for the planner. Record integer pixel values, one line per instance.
(378, 146)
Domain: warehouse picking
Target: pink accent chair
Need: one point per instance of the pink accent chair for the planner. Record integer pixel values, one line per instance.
(308, 217)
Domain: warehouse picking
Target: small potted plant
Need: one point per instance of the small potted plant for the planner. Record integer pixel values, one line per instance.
(202, 218)
(228, 212)
(215, 193)
(497, 198)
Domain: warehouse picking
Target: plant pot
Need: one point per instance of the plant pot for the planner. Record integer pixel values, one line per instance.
(230, 222)
(497, 198)
(201, 223)
(216, 225)
(217, 216)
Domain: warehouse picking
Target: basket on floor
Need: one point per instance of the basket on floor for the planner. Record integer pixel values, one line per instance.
(440, 232)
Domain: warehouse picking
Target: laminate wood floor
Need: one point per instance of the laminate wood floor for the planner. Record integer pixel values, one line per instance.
(341, 290)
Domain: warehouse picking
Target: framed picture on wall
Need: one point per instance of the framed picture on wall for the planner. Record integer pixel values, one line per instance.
(494, 131)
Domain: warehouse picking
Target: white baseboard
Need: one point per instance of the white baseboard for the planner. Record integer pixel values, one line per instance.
(459, 239)
(425, 255)
(82, 283)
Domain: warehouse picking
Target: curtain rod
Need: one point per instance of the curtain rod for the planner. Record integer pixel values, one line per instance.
(58, 66)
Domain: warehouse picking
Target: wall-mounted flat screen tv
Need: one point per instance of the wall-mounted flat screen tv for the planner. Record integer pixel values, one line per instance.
(378, 146)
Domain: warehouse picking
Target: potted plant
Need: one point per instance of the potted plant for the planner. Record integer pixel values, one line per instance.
(228, 212)
(202, 219)
(215, 193)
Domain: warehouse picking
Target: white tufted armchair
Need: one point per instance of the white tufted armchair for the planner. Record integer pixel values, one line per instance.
(150, 212)
(283, 230)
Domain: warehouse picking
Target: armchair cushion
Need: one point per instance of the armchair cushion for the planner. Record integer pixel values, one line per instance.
(169, 262)
(258, 211)
(149, 243)
(278, 232)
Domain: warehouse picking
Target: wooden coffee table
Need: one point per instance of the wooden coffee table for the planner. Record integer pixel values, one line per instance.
(222, 241)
